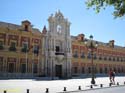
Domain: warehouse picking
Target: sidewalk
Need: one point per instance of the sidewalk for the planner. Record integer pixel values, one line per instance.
(55, 86)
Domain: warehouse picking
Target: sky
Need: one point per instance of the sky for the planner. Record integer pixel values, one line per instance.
(102, 26)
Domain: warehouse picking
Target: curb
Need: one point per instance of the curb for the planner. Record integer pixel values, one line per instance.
(92, 89)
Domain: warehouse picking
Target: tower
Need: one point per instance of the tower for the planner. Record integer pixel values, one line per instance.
(58, 47)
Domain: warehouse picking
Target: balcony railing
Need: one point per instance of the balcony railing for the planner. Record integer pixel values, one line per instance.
(12, 48)
(59, 53)
(25, 50)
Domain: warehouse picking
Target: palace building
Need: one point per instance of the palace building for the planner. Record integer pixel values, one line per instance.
(28, 52)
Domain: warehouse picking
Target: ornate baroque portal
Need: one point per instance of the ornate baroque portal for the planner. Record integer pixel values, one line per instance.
(58, 47)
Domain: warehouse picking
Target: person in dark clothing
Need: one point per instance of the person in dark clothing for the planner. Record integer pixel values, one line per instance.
(112, 76)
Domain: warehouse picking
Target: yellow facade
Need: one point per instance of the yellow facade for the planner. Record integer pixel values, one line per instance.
(20, 49)
(21, 53)
(105, 57)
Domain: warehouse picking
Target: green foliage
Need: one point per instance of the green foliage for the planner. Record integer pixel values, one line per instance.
(119, 6)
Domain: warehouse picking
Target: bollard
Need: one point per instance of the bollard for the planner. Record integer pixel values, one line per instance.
(79, 87)
(27, 90)
(47, 90)
(101, 85)
(5, 91)
(118, 83)
(64, 89)
(110, 84)
(91, 86)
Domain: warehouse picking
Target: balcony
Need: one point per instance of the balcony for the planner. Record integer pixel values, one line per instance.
(12, 49)
(25, 50)
(59, 53)
(59, 56)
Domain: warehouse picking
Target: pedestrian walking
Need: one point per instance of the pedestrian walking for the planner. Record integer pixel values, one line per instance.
(110, 76)
(113, 77)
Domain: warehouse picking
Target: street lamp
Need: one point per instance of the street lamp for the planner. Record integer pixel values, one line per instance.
(92, 46)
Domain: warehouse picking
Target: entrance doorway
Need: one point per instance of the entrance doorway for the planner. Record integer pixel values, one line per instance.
(23, 68)
(11, 68)
(58, 69)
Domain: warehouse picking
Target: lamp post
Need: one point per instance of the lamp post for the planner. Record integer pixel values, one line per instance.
(92, 47)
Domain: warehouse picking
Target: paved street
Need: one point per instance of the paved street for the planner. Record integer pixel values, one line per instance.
(120, 89)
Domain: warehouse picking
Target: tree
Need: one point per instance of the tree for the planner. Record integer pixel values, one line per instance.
(119, 6)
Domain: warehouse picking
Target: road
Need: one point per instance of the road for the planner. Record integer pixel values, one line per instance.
(120, 89)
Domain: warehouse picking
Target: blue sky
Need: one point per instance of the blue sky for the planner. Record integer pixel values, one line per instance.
(102, 26)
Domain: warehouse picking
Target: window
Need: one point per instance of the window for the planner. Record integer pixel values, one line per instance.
(95, 56)
(35, 67)
(106, 70)
(57, 48)
(25, 47)
(26, 28)
(105, 58)
(75, 69)
(1, 45)
(83, 70)
(121, 59)
(89, 69)
(75, 54)
(89, 55)
(95, 70)
(1, 64)
(109, 58)
(100, 70)
(36, 49)
(11, 68)
(114, 69)
(59, 28)
(82, 55)
(113, 59)
(12, 46)
(119, 70)
(117, 58)
(100, 58)
(23, 68)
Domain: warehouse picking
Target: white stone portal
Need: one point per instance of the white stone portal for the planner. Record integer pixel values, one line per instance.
(57, 46)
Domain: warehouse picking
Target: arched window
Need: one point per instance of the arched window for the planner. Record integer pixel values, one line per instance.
(59, 29)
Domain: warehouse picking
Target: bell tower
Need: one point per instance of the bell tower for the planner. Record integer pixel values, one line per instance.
(58, 47)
